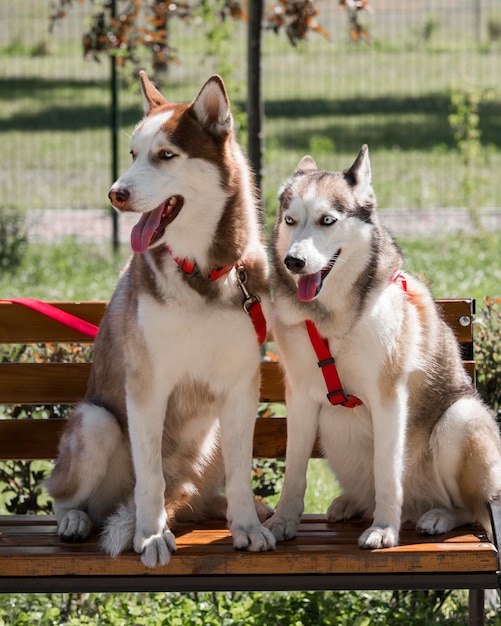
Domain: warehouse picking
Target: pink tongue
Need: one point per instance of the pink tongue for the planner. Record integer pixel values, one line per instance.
(307, 286)
(143, 231)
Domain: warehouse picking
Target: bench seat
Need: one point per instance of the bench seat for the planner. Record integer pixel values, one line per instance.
(322, 556)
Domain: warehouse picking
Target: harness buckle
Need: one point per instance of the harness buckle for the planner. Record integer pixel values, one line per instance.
(348, 402)
(337, 397)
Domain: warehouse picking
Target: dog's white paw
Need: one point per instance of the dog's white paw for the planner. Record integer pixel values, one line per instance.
(253, 538)
(342, 508)
(74, 525)
(155, 550)
(282, 528)
(377, 537)
(436, 522)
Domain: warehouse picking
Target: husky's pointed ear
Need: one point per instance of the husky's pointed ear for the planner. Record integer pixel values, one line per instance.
(359, 174)
(152, 98)
(212, 107)
(307, 165)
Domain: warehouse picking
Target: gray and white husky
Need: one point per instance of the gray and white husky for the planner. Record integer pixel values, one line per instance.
(172, 397)
(421, 445)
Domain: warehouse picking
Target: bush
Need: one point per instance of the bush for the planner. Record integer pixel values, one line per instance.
(488, 354)
(13, 238)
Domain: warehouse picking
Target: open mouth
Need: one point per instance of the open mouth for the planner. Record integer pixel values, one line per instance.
(309, 285)
(152, 225)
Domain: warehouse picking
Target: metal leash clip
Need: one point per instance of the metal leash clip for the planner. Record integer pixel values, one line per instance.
(249, 298)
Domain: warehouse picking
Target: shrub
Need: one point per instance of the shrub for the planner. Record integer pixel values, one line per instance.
(488, 354)
(13, 238)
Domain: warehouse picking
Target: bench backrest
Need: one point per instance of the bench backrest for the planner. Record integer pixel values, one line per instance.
(50, 383)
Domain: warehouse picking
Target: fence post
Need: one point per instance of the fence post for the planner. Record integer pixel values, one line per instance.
(114, 132)
(254, 100)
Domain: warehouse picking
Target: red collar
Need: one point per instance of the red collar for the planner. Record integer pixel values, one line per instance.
(251, 303)
(189, 267)
(326, 363)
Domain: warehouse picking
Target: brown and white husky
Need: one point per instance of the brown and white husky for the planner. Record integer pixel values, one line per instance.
(418, 443)
(172, 397)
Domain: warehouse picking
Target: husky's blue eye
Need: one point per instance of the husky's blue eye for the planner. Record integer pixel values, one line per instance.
(328, 220)
(289, 221)
(165, 155)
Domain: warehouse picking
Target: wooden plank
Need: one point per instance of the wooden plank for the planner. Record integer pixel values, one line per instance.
(65, 383)
(320, 547)
(30, 439)
(272, 383)
(43, 383)
(19, 324)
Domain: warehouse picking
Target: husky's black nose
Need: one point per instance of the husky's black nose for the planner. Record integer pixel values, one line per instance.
(294, 264)
(119, 197)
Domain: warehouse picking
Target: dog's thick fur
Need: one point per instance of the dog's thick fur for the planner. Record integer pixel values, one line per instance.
(175, 379)
(422, 447)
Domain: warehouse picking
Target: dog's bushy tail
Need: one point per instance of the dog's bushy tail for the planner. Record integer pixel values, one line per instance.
(118, 532)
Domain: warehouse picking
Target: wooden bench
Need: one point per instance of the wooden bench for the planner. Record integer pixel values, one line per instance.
(322, 557)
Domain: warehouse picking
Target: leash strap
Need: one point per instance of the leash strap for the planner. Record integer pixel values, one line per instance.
(326, 363)
(252, 305)
(255, 310)
(72, 321)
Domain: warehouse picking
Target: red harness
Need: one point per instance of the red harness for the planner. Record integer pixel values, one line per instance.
(326, 363)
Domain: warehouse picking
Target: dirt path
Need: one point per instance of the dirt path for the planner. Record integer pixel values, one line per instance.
(97, 225)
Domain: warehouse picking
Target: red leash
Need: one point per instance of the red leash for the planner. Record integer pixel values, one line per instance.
(251, 305)
(72, 321)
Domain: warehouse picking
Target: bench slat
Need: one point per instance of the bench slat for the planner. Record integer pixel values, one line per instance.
(19, 324)
(35, 550)
(32, 439)
(63, 383)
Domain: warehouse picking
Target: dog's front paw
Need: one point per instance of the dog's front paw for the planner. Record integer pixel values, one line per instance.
(436, 522)
(155, 550)
(282, 528)
(74, 526)
(252, 538)
(342, 508)
(377, 537)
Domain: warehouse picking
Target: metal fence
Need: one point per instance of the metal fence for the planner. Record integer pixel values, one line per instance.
(325, 96)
